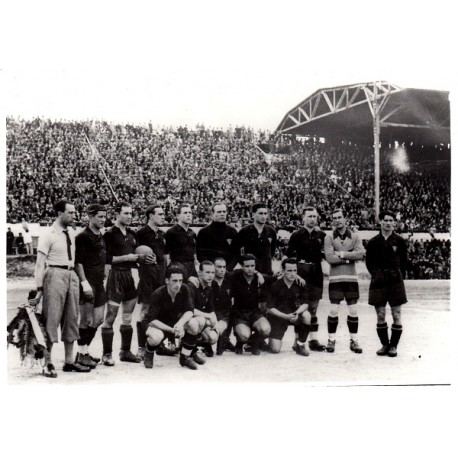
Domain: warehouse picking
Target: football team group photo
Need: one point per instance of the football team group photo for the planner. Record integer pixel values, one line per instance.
(150, 249)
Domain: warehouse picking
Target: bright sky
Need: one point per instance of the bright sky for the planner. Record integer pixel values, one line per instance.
(235, 63)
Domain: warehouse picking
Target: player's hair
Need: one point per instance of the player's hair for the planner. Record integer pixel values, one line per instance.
(183, 205)
(93, 209)
(174, 269)
(205, 263)
(119, 206)
(255, 207)
(151, 210)
(218, 203)
(384, 213)
(219, 259)
(309, 209)
(247, 257)
(288, 261)
(336, 210)
(60, 205)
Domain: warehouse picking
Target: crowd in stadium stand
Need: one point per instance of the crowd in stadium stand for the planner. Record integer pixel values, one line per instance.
(429, 259)
(47, 160)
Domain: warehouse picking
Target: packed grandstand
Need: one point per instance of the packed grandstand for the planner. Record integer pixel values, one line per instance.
(48, 160)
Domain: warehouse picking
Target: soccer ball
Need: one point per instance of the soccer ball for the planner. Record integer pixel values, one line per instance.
(143, 251)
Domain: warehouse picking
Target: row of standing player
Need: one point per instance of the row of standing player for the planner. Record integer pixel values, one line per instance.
(253, 246)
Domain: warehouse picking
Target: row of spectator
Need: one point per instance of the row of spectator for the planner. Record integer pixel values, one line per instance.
(48, 160)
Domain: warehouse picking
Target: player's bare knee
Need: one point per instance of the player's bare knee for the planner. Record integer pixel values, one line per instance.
(126, 319)
(380, 311)
(305, 317)
(221, 327)
(264, 330)
(154, 336)
(334, 310)
(353, 310)
(96, 322)
(242, 334)
(201, 321)
(211, 337)
(110, 315)
(396, 314)
(192, 326)
(142, 314)
(274, 346)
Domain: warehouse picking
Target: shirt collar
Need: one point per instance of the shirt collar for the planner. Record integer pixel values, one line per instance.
(347, 233)
(58, 227)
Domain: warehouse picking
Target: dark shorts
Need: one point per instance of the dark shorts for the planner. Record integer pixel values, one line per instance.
(100, 295)
(120, 286)
(151, 277)
(247, 318)
(278, 327)
(225, 315)
(345, 290)
(382, 292)
(313, 293)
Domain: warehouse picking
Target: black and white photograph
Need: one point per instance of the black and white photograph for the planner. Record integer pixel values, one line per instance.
(239, 199)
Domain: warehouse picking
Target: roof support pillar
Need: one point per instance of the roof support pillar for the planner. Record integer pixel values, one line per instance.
(376, 124)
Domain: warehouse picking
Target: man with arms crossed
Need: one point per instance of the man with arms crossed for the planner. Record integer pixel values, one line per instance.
(171, 314)
(90, 266)
(342, 248)
(386, 261)
(58, 285)
(287, 306)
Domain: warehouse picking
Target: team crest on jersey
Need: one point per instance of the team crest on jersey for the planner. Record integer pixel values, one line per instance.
(270, 240)
(229, 241)
(395, 248)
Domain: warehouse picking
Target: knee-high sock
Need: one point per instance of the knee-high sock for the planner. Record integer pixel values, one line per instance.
(83, 336)
(188, 343)
(382, 331)
(141, 334)
(302, 331)
(352, 323)
(126, 336)
(396, 331)
(90, 335)
(333, 321)
(314, 325)
(107, 340)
